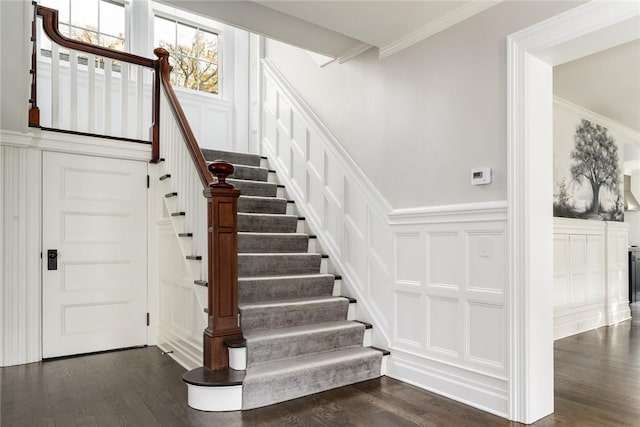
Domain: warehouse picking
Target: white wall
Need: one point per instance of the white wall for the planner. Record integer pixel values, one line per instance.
(14, 65)
(419, 120)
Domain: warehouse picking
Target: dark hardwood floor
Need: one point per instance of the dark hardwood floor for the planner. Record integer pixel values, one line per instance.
(597, 384)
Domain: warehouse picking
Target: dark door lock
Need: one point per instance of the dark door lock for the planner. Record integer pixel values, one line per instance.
(52, 259)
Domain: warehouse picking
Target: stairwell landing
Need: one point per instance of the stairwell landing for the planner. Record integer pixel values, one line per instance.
(299, 338)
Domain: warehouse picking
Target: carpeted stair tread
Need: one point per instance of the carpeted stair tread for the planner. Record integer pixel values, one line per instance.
(252, 265)
(255, 188)
(232, 157)
(270, 288)
(285, 343)
(272, 242)
(267, 223)
(281, 380)
(260, 204)
(252, 173)
(292, 312)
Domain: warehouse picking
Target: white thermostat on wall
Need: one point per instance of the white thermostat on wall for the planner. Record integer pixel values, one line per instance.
(480, 176)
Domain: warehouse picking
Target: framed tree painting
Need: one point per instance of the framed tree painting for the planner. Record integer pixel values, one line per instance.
(588, 168)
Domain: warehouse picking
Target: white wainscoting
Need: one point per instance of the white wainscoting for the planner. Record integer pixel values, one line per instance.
(182, 319)
(450, 315)
(617, 285)
(590, 275)
(432, 281)
(578, 276)
(20, 293)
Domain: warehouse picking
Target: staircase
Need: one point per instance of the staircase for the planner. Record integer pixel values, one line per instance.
(296, 336)
(299, 338)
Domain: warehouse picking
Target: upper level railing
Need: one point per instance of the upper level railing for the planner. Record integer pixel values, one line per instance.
(175, 137)
(81, 87)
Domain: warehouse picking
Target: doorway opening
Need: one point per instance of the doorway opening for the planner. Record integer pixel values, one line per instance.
(532, 54)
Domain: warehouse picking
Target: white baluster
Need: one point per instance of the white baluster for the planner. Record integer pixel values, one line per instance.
(108, 64)
(91, 110)
(124, 98)
(139, 107)
(55, 86)
(73, 89)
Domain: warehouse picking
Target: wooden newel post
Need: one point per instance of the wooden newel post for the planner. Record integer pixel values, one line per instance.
(224, 321)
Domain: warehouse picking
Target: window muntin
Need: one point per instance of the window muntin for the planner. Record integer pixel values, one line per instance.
(100, 22)
(194, 53)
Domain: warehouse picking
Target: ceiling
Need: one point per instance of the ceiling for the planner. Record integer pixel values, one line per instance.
(340, 29)
(607, 83)
(383, 24)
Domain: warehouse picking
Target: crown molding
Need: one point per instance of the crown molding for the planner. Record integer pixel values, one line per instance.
(353, 52)
(598, 118)
(450, 19)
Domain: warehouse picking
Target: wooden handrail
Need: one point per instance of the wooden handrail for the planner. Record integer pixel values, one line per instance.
(185, 129)
(50, 24)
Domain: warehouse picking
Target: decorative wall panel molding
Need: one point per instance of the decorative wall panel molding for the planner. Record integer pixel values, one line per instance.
(590, 275)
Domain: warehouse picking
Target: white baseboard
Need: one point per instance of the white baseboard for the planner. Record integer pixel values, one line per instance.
(565, 325)
(187, 354)
(618, 312)
(427, 375)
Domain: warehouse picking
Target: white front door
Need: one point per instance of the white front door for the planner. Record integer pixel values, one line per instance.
(94, 214)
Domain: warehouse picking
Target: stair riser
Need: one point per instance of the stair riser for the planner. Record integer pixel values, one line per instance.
(235, 158)
(260, 351)
(267, 224)
(268, 390)
(238, 355)
(272, 244)
(254, 188)
(267, 206)
(284, 317)
(254, 290)
(255, 265)
(252, 174)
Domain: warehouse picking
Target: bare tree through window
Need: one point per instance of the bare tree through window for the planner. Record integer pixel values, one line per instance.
(194, 54)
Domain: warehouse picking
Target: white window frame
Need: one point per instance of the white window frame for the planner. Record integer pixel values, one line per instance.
(187, 18)
(127, 25)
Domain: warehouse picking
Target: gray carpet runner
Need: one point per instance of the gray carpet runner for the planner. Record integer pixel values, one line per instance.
(298, 338)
